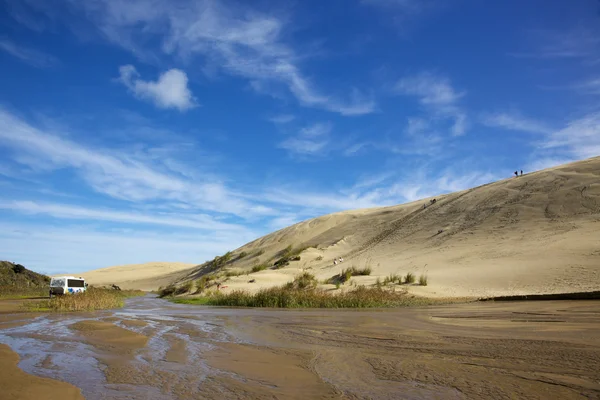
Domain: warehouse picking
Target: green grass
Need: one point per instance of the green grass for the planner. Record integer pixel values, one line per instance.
(409, 278)
(392, 278)
(423, 280)
(346, 274)
(284, 297)
(92, 299)
(260, 267)
(16, 292)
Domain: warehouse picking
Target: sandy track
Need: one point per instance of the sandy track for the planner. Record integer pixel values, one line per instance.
(157, 350)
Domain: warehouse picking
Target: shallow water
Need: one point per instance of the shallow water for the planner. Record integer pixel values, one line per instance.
(153, 349)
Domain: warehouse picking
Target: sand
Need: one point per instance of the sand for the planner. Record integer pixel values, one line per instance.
(537, 233)
(525, 350)
(148, 276)
(18, 385)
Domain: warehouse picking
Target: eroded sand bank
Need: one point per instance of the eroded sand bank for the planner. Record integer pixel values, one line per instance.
(157, 350)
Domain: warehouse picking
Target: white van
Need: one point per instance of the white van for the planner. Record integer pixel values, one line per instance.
(67, 285)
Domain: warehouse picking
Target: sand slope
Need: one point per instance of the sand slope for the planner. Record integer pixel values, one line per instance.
(148, 276)
(539, 233)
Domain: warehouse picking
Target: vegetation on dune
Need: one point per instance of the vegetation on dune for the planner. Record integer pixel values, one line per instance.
(259, 267)
(288, 255)
(409, 278)
(346, 274)
(295, 297)
(423, 280)
(90, 300)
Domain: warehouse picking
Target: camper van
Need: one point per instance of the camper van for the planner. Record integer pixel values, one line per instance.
(67, 285)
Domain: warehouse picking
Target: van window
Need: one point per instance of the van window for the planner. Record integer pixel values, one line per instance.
(76, 283)
(57, 282)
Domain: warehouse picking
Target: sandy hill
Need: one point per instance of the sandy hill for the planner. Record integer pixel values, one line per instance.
(537, 233)
(148, 276)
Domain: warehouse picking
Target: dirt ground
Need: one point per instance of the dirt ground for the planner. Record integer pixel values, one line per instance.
(156, 350)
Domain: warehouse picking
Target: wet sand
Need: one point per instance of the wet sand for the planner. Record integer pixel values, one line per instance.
(157, 350)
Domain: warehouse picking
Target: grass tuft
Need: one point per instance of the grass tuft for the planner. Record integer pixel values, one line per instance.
(423, 280)
(348, 273)
(409, 278)
(90, 300)
(260, 267)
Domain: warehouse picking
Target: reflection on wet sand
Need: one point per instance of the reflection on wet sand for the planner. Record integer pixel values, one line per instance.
(157, 350)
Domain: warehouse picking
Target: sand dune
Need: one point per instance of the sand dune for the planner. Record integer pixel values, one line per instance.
(538, 233)
(148, 276)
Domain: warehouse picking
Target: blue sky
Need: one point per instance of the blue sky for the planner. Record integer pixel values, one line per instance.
(177, 130)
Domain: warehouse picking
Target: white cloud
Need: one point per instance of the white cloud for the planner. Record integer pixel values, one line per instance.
(116, 174)
(431, 89)
(437, 94)
(581, 43)
(169, 91)
(240, 41)
(67, 211)
(514, 122)
(282, 119)
(32, 57)
(579, 139)
(591, 86)
(310, 140)
(546, 162)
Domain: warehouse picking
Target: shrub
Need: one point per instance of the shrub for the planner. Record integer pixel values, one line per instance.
(378, 283)
(423, 280)
(260, 267)
(187, 287)
(242, 255)
(18, 268)
(320, 258)
(229, 274)
(348, 273)
(409, 278)
(167, 291)
(303, 281)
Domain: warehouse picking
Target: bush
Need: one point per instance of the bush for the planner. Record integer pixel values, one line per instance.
(303, 281)
(258, 253)
(320, 258)
(423, 280)
(242, 255)
(409, 278)
(18, 268)
(348, 273)
(260, 267)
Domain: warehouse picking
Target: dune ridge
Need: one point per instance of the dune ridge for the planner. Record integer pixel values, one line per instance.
(532, 234)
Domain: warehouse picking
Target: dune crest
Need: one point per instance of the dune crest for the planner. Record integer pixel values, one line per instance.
(536, 233)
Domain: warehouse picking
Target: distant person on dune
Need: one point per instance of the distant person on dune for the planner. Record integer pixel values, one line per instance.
(521, 172)
(516, 173)
(335, 261)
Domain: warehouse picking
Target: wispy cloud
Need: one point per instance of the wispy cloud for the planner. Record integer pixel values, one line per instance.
(437, 94)
(431, 89)
(579, 139)
(238, 40)
(577, 43)
(310, 140)
(282, 118)
(32, 57)
(116, 174)
(169, 91)
(514, 122)
(68, 211)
